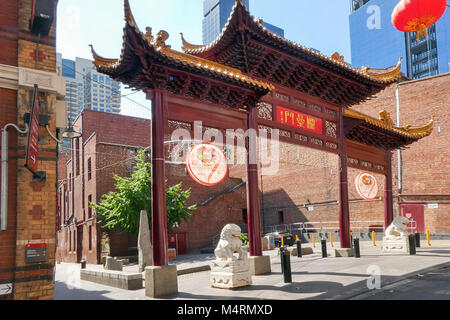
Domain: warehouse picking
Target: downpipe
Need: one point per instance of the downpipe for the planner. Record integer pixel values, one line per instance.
(5, 168)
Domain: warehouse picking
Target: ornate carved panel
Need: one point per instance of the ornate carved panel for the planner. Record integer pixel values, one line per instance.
(265, 110)
(301, 137)
(331, 112)
(316, 141)
(282, 96)
(315, 107)
(331, 129)
(299, 102)
(352, 161)
(331, 145)
(284, 133)
(172, 124)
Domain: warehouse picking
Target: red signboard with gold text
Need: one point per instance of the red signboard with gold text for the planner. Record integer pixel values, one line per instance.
(299, 120)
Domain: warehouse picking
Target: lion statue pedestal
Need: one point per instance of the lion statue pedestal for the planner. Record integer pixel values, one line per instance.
(396, 237)
(231, 269)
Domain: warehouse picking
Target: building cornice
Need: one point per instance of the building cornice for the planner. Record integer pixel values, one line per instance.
(12, 77)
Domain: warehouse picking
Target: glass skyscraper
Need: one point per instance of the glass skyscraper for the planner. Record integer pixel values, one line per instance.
(86, 88)
(216, 14)
(376, 42)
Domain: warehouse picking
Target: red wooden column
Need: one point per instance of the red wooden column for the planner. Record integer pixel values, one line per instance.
(344, 212)
(254, 213)
(159, 218)
(388, 196)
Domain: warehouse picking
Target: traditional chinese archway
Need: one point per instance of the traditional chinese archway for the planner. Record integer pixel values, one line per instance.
(311, 100)
(252, 78)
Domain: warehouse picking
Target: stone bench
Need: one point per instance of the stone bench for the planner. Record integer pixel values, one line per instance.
(117, 279)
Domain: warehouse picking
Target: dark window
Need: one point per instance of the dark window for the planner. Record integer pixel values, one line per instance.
(244, 216)
(89, 207)
(77, 156)
(89, 165)
(90, 238)
(280, 217)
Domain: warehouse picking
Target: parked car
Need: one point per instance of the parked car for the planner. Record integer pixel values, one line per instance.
(289, 239)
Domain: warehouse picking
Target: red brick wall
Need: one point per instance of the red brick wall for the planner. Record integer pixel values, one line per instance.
(425, 163)
(9, 16)
(308, 176)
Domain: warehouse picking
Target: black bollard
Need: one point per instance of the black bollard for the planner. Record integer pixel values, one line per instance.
(417, 240)
(412, 244)
(299, 248)
(282, 260)
(356, 247)
(286, 265)
(324, 249)
(83, 264)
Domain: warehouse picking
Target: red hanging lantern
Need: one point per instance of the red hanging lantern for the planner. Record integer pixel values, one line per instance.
(417, 15)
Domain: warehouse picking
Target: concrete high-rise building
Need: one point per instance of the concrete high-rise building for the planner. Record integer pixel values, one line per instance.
(88, 89)
(216, 14)
(376, 42)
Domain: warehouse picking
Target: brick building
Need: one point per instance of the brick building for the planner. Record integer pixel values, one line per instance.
(26, 60)
(424, 191)
(108, 147)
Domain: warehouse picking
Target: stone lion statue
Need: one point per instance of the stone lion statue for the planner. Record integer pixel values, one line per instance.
(398, 229)
(230, 244)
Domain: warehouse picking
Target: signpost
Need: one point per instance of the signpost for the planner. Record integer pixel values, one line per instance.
(32, 156)
(6, 288)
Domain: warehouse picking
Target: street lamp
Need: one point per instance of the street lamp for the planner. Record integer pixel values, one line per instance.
(70, 133)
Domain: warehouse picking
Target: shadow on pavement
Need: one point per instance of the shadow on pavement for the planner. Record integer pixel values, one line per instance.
(64, 292)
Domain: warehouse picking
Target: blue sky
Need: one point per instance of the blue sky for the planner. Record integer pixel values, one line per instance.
(319, 24)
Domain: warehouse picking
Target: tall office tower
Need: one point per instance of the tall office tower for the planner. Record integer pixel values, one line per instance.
(375, 41)
(216, 14)
(86, 88)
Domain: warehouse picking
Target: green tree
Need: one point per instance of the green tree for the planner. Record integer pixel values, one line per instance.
(121, 210)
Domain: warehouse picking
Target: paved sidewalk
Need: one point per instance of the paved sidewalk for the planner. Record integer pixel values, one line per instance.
(313, 277)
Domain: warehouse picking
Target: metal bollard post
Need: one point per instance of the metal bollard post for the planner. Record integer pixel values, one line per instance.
(331, 240)
(428, 238)
(412, 244)
(324, 249)
(299, 248)
(373, 239)
(83, 264)
(417, 240)
(314, 240)
(286, 265)
(356, 247)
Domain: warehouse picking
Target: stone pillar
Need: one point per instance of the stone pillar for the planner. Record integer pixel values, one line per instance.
(388, 196)
(159, 218)
(344, 212)
(144, 243)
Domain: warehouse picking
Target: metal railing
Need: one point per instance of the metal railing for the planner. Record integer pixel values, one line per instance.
(327, 226)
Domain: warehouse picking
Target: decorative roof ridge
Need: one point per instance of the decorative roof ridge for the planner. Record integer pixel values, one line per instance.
(157, 43)
(385, 122)
(188, 46)
(391, 75)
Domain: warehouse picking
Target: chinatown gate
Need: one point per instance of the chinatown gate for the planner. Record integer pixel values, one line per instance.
(251, 78)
